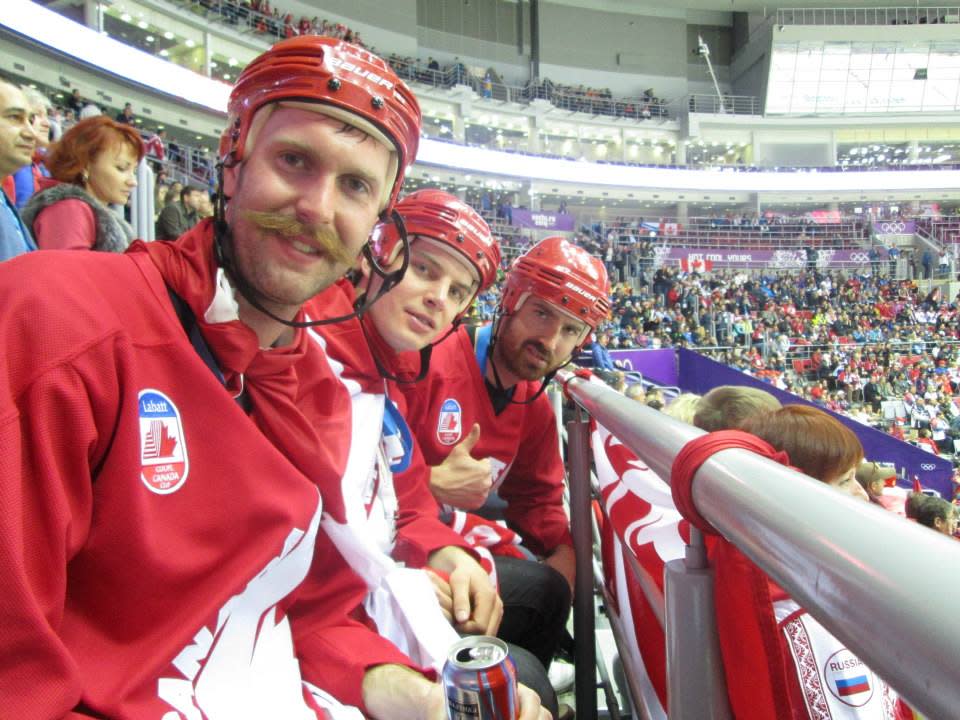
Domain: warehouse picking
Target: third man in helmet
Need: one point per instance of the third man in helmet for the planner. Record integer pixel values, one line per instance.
(490, 435)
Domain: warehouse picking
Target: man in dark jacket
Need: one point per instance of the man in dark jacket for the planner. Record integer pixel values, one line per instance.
(178, 217)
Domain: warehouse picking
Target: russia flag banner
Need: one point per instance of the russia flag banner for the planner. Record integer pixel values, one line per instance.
(852, 685)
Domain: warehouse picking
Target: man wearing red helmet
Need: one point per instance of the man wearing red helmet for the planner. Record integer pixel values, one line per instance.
(163, 479)
(484, 425)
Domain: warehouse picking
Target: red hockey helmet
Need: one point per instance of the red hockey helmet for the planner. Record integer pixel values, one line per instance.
(563, 274)
(440, 216)
(350, 83)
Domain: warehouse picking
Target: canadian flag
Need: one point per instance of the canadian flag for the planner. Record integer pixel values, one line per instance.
(670, 228)
(695, 263)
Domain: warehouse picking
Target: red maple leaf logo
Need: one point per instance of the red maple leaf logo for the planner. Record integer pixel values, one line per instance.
(167, 443)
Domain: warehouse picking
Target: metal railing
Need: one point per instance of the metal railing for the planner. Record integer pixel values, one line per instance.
(869, 16)
(870, 578)
(727, 104)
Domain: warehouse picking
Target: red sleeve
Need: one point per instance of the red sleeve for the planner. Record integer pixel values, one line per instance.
(533, 488)
(46, 494)
(66, 225)
(419, 529)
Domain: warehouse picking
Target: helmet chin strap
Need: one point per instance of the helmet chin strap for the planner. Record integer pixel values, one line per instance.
(223, 246)
(498, 383)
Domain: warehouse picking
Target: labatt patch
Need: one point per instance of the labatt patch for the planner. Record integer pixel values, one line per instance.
(449, 424)
(163, 452)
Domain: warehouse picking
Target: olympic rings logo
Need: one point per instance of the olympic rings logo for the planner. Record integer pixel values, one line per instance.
(859, 257)
(892, 228)
(927, 466)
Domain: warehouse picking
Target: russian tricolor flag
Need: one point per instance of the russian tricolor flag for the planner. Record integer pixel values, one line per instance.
(852, 685)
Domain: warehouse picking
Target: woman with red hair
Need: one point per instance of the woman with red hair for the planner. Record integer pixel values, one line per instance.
(817, 444)
(93, 166)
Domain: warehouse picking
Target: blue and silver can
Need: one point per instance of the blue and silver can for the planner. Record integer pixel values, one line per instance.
(480, 680)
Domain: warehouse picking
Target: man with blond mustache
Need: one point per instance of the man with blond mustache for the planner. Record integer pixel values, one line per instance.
(163, 484)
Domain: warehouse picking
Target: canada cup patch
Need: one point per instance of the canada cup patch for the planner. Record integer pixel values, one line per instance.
(449, 424)
(163, 452)
(849, 680)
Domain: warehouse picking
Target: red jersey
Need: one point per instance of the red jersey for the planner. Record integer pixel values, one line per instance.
(389, 510)
(521, 441)
(155, 532)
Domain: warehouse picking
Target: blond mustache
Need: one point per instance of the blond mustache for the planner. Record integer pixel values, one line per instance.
(290, 227)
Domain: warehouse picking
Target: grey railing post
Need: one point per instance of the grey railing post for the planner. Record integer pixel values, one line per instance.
(696, 689)
(578, 455)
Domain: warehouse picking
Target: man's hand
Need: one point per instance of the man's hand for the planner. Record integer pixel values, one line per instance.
(461, 480)
(441, 589)
(472, 600)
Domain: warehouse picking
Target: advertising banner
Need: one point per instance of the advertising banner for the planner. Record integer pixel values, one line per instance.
(747, 258)
(657, 365)
(894, 227)
(543, 220)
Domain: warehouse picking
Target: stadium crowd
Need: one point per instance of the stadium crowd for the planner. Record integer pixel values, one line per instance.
(262, 18)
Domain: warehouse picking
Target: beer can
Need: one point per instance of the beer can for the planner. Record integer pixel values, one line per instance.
(480, 680)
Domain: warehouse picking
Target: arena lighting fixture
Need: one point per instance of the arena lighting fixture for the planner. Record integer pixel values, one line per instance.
(111, 56)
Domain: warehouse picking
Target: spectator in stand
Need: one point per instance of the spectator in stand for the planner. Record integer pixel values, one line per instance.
(601, 356)
(874, 479)
(125, 116)
(925, 442)
(27, 179)
(816, 443)
(156, 149)
(683, 407)
(636, 392)
(91, 109)
(75, 102)
(173, 193)
(934, 513)
(730, 407)
(17, 143)
(205, 207)
(178, 217)
(93, 166)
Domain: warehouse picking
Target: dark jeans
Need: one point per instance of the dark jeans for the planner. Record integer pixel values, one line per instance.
(536, 603)
(530, 672)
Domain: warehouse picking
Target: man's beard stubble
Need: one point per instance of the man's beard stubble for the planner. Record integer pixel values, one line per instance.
(512, 359)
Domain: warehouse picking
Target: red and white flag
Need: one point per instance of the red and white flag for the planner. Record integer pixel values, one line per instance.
(695, 263)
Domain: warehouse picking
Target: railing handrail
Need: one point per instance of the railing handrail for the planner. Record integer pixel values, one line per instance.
(843, 560)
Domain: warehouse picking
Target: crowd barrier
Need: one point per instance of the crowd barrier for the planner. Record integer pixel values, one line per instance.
(878, 583)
